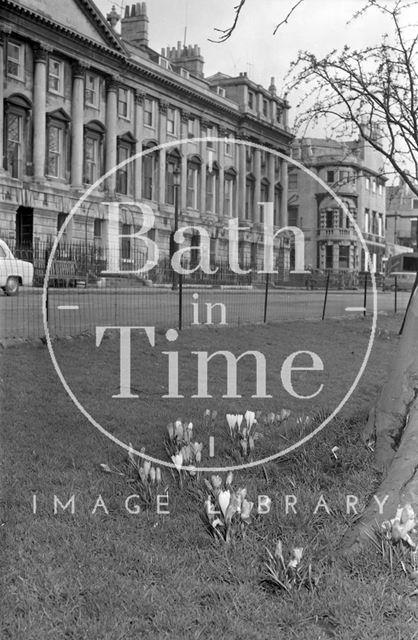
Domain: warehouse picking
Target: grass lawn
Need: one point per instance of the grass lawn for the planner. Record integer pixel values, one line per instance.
(112, 575)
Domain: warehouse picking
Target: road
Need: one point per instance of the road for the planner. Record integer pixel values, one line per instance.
(72, 311)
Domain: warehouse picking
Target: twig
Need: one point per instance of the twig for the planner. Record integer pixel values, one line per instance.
(287, 17)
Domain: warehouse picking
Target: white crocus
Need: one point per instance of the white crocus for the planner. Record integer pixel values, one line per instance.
(147, 467)
(229, 478)
(297, 557)
(239, 418)
(246, 509)
(232, 421)
(224, 498)
(178, 461)
(178, 428)
(249, 418)
(216, 482)
(158, 475)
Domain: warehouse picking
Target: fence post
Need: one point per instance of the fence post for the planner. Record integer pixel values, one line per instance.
(396, 294)
(180, 283)
(325, 297)
(266, 295)
(366, 275)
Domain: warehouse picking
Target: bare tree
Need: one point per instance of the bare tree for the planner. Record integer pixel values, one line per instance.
(225, 34)
(375, 92)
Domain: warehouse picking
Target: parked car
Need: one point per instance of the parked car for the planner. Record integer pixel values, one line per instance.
(13, 272)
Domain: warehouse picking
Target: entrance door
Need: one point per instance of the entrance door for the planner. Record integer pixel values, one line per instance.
(24, 229)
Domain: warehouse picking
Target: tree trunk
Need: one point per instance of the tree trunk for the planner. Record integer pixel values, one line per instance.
(393, 424)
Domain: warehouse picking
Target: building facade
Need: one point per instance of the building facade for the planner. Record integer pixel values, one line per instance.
(401, 216)
(353, 170)
(77, 98)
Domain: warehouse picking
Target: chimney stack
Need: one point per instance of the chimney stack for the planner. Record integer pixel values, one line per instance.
(188, 57)
(135, 25)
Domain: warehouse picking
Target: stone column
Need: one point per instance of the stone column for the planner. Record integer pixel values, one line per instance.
(110, 138)
(284, 197)
(242, 174)
(257, 186)
(162, 152)
(271, 159)
(184, 154)
(139, 125)
(39, 112)
(77, 132)
(221, 157)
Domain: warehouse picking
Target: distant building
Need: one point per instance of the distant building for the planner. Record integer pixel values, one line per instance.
(354, 171)
(76, 99)
(401, 216)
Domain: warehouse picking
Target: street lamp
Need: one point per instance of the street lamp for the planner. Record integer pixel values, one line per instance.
(176, 186)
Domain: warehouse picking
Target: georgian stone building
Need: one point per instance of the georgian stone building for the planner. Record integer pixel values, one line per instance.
(353, 170)
(78, 98)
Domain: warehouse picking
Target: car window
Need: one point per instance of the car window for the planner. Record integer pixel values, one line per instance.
(3, 253)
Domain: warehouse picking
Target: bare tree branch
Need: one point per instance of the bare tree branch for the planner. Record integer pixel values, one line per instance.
(287, 17)
(226, 33)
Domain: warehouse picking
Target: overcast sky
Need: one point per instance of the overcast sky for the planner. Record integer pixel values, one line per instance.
(316, 25)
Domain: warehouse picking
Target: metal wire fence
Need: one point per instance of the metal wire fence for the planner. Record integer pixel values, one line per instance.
(125, 302)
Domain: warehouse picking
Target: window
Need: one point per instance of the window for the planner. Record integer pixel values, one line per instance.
(149, 113)
(171, 121)
(329, 219)
(293, 179)
(380, 225)
(367, 182)
(249, 198)
(191, 122)
(123, 103)
(251, 99)
(91, 94)
(55, 152)
(55, 76)
(414, 203)
(344, 177)
(149, 174)
(93, 145)
(293, 214)
(330, 176)
(380, 188)
(374, 185)
(123, 175)
(329, 256)
(366, 220)
(15, 60)
(62, 217)
(172, 163)
(14, 144)
(210, 132)
(278, 114)
(229, 194)
(91, 159)
(228, 145)
(221, 91)
(265, 108)
(212, 188)
(344, 256)
(193, 183)
(98, 228)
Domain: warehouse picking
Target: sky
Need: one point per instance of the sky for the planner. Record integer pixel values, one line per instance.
(316, 25)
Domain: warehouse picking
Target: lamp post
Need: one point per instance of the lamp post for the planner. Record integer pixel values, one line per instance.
(176, 186)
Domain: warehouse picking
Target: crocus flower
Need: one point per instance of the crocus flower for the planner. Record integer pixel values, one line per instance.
(178, 461)
(170, 429)
(147, 467)
(178, 428)
(297, 557)
(251, 443)
(158, 475)
(246, 509)
(250, 418)
(152, 474)
(216, 482)
(239, 418)
(284, 414)
(224, 498)
(198, 457)
(229, 478)
(232, 421)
